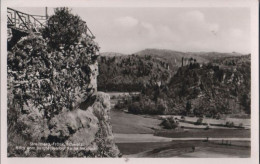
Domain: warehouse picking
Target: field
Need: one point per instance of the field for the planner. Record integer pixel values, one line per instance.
(188, 122)
(132, 124)
(126, 123)
(141, 136)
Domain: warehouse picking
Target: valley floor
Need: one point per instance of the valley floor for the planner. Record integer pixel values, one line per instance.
(141, 136)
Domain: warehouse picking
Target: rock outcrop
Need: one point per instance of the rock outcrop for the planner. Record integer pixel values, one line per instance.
(52, 98)
(88, 126)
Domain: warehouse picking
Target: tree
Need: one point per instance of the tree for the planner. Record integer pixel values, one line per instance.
(245, 102)
(188, 107)
(63, 29)
(199, 121)
(162, 106)
(169, 123)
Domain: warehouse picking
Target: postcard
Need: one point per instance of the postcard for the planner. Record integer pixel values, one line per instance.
(129, 81)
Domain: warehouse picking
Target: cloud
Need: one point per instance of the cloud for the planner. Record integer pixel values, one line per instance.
(213, 27)
(237, 33)
(193, 16)
(147, 30)
(191, 30)
(194, 22)
(126, 21)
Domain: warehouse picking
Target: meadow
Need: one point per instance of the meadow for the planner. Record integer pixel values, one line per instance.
(143, 136)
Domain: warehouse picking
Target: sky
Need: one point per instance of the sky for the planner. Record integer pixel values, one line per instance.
(129, 30)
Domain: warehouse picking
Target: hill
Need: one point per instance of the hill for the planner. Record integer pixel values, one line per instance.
(218, 87)
(111, 54)
(131, 72)
(174, 58)
(121, 72)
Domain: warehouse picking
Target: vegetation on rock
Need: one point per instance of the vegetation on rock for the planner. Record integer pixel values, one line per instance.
(64, 29)
(131, 73)
(198, 89)
(52, 92)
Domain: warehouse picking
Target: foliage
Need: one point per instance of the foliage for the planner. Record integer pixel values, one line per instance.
(212, 89)
(37, 73)
(230, 124)
(215, 83)
(246, 103)
(207, 127)
(169, 123)
(44, 82)
(147, 106)
(208, 80)
(199, 121)
(188, 107)
(120, 105)
(63, 29)
(198, 112)
(131, 73)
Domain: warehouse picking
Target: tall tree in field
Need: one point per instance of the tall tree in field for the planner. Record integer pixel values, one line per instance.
(188, 107)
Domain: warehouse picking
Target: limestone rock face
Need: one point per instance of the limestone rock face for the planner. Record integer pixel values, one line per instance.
(93, 76)
(89, 126)
(72, 126)
(52, 98)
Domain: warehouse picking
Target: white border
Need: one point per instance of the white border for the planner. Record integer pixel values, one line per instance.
(252, 4)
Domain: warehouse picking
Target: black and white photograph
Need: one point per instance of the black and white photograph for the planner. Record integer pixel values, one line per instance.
(130, 82)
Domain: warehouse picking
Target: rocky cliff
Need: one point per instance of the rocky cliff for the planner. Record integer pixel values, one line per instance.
(52, 98)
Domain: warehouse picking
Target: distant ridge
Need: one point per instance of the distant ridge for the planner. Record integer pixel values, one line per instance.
(173, 58)
(168, 51)
(111, 54)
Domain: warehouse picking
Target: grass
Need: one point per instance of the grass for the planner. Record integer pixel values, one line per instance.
(189, 121)
(134, 148)
(126, 123)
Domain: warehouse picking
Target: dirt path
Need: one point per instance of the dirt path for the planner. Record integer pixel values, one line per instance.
(134, 138)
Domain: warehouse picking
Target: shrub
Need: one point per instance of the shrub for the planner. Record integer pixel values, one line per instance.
(120, 105)
(230, 124)
(198, 112)
(161, 106)
(146, 106)
(218, 116)
(64, 28)
(199, 121)
(113, 97)
(207, 127)
(169, 123)
(135, 108)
